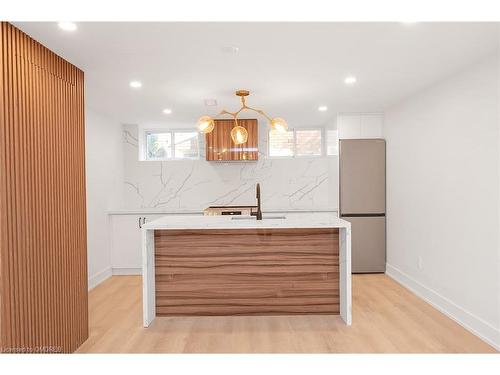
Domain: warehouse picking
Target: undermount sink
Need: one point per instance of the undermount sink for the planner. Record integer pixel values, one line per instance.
(253, 218)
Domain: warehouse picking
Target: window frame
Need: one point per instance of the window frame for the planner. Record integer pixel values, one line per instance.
(197, 157)
(321, 149)
(326, 143)
(145, 134)
(269, 146)
(295, 156)
(144, 151)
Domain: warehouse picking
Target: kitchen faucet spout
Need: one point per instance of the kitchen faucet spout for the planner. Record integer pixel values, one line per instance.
(258, 214)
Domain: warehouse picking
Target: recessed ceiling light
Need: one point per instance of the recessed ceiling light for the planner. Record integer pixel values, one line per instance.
(167, 111)
(350, 80)
(67, 26)
(322, 108)
(135, 84)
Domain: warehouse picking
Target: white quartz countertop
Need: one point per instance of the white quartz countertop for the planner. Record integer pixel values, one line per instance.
(270, 220)
(153, 211)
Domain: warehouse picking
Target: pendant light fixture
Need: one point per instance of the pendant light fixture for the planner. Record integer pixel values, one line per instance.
(205, 124)
(239, 134)
(279, 125)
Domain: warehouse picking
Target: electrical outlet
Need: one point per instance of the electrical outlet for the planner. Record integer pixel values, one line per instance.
(420, 263)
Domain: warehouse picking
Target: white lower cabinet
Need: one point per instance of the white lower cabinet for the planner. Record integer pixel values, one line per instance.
(126, 251)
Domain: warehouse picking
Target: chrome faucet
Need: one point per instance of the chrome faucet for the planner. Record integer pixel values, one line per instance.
(258, 214)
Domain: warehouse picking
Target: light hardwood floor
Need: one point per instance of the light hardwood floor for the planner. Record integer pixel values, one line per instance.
(387, 318)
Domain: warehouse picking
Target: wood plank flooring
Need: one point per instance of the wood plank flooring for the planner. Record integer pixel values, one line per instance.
(387, 318)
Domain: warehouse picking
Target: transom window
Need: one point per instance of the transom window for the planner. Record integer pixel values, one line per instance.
(299, 142)
(281, 144)
(168, 145)
(308, 142)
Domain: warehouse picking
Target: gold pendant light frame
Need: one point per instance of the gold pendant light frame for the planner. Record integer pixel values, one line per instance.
(239, 134)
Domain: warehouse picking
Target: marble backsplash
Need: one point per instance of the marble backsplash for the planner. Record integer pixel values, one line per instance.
(286, 184)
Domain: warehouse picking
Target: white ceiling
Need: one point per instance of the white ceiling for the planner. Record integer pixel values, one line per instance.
(290, 68)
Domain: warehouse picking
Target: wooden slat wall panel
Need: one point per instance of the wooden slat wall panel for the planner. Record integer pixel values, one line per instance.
(43, 259)
(220, 146)
(247, 271)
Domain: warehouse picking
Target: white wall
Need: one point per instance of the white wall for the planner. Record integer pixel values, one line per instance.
(104, 175)
(287, 184)
(443, 196)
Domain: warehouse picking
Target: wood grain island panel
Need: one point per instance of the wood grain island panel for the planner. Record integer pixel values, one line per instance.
(247, 271)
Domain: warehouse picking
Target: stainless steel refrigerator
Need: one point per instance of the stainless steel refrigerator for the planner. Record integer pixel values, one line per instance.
(362, 201)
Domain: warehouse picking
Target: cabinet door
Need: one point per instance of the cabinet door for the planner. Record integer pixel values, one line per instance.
(126, 245)
(151, 217)
(220, 146)
(371, 126)
(362, 176)
(368, 248)
(126, 250)
(349, 126)
(360, 126)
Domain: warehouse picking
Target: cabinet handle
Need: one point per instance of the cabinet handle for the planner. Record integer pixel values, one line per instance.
(143, 220)
(140, 226)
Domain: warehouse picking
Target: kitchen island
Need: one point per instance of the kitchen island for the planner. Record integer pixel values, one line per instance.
(294, 263)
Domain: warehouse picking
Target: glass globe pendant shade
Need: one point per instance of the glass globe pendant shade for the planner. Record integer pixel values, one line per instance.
(239, 135)
(205, 124)
(279, 125)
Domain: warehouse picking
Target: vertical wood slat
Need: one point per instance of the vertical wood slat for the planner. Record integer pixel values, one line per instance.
(43, 261)
(220, 146)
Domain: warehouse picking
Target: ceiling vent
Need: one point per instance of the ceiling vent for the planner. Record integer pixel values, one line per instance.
(210, 102)
(230, 49)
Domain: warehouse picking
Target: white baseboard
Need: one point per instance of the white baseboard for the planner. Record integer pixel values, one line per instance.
(99, 278)
(108, 272)
(127, 271)
(466, 319)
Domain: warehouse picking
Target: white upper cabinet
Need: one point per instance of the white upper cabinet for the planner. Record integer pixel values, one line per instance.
(360, 125)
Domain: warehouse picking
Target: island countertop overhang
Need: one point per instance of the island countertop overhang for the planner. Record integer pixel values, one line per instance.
(291, 220)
